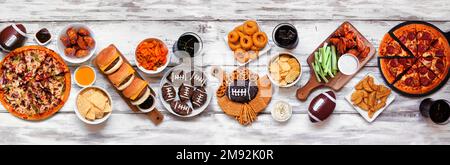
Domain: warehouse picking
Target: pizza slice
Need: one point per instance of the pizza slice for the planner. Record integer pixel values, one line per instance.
(43, 101)
(394, 67)
(18, 102)
(391, 48)
(51, 66)
(407, 36)
(12, 71)
(426, 36)
(427, 78)
(409, 82)
(33, 60)
(54, 85)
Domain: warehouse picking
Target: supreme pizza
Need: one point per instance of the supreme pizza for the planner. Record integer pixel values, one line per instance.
(414, 58)
(34, 82)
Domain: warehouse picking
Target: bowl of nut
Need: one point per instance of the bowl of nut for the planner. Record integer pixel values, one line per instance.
(76, 43)
(284, 69)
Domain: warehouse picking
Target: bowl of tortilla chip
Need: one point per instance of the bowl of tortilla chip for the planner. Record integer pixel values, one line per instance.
(93, 105)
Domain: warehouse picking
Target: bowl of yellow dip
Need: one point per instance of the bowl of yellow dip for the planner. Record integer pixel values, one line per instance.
(84, 76)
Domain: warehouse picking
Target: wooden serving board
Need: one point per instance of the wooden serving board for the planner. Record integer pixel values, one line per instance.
(155, 116)
(339, 79)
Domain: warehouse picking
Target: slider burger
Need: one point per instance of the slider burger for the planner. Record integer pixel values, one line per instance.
(123, 77)
(109, 60)
(138, 92)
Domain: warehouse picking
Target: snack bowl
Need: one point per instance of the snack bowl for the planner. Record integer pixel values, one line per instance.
(274, 81)
(60, 46)
(150, 108)
(148, 71)
(75, 77)
(96, 121)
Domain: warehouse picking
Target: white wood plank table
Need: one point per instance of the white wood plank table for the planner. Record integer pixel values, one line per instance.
(126, 23)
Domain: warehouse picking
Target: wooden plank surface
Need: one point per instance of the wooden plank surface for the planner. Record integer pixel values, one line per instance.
(126, 23)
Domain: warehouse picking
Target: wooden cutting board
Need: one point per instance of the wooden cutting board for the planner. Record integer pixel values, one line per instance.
(339, 79)
(155, 116)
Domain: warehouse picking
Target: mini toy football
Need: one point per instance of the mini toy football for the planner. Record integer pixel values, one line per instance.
(168, 92)
(180, 108)
(12, 37)
(199, 98)
(242, 91)
(185, 92)
(322, 106)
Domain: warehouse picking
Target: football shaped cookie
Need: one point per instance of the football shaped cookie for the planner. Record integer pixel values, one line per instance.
(199, 97)
(242, 91)
(180, 108)
(185, 92)
(168, 92)
(322, 106)
(177, 77)
(198, 79)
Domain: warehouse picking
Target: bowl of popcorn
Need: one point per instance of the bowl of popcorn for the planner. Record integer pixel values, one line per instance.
(284, 69)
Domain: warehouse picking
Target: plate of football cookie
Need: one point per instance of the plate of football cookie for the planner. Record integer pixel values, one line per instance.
(184, 91)
(370, 98)
(242, 94)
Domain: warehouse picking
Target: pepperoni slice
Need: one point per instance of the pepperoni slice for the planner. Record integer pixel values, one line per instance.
(440, 53)
(425, 36)
(423, 70)
(403, 61)
(431, 75)
(394, 63)
(409, 81)
(411, 35)
(439, 64)
(422, 48)
(390, 49)
(424, 81)
(402, 39)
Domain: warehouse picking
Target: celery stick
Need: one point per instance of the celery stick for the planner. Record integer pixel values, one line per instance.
(334, 58)
(324, 57)
(315, 72)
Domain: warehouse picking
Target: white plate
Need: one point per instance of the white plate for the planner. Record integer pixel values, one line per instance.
(363, 113)
(96, 121)
(185, 68)
(61, 47)
(261, 52)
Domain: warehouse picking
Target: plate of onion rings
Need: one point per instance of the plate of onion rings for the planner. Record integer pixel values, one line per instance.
(247, 42)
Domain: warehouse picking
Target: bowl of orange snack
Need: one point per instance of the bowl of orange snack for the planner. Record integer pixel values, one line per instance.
(247, 41)
(152, 56)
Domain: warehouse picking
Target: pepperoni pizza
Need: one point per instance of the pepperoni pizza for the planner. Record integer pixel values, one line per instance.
(34, 82)
(414, 58)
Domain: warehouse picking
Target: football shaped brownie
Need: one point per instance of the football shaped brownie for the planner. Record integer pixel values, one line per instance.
(198, 79)
(177, 77)
(180, 108)
(185, 92)
(242, 91)
(199, 97)
(168, 92)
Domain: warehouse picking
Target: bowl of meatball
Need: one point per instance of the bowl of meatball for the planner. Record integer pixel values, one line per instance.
(76, 43)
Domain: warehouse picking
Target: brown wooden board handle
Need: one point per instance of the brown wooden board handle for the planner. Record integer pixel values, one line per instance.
(155, 116)
(303, 92)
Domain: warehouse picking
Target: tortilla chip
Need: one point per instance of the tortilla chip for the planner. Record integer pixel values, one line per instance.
(98, 99)
(107, 108)
(83, 105)
(91, 115)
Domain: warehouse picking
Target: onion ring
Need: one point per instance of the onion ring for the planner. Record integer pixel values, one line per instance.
(250, 27)
(241, 55)
(255, 48)
(246, 42)
(260, 39)
(233, 37)
(240, 28)
(234, 46)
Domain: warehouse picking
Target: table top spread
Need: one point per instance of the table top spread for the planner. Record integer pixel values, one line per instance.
(126, 23)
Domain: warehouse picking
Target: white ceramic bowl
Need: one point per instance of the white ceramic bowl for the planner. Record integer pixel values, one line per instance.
(96, 121)
(83, 86)
(61, 47)
(289, 113)
(342, 64)
(151, 108)
(161, 68)
(270, 76)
